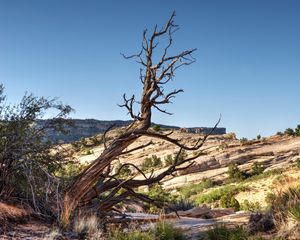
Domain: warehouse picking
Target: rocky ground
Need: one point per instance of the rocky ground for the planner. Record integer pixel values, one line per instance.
(275, 152)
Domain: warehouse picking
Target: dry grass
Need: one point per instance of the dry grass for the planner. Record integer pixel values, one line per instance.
(88, 227)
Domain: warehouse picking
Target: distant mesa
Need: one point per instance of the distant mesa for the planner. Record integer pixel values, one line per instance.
(90, 127)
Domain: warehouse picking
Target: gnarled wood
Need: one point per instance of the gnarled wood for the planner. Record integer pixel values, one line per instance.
(153, 77)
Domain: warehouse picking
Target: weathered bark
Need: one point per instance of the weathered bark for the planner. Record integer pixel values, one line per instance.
(153, 77)
(87, 179)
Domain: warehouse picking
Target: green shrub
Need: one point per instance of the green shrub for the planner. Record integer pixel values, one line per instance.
(216, 194)
(298, 163)
(69, 170)
(234, 173)
(88, 152)
(270, 198)
(168, 160)
(95, 141)
(28, 165)
(151, 162)
(192, 189)
(223, 233)
(258, 137)
(250, 206)
(178, 157)
(264, 175)
(166, 231)
(162, 231)
(124, 171)
(289, 132)
(279, 133)
(257, 168)
(132, 234)
(76, 146)
(229, 201)
(294, 211)
(160, 196)
(287, 205)
(182, 204)
(297, 130)
(156, 128)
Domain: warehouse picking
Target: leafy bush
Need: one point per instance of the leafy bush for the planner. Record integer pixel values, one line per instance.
(289, 132)
(294, 211)
(223, 233)
(216, 194)
(124, 170)
(151, 162)
(270, 198)
(95, 141)
(88, 227)
(264, 175)
(156, 128)
(133, 234)
(166, 231)
(29, 159)
(229, 201)
(162, 231)
(69, 170)
(88, 152)
(287, 205)
(178, 157)
(192, 189)
(279, 133)
(234, 173)
(257, 168)
(160, 196)
(298, 163)
(297, 130)
(182, 204)
(250, 206)
(258, 137)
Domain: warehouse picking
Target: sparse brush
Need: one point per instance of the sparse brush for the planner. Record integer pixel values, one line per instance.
(134, 234)
(216, 194)
(286, 211)
(166, 231)
(183, 204)
(229, 201)
(53, 235)
(225, 233)
(294, 211)
(250, 206)
(88, 227)
(192, 189)
(161, 231)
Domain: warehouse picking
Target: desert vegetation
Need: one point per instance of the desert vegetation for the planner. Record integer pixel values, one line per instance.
(143, 181)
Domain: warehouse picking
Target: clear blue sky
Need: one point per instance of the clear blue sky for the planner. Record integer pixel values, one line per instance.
(247, 69)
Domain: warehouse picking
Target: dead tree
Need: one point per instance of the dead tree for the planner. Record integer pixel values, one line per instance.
(154, 76)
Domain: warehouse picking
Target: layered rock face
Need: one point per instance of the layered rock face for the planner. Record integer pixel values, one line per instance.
(89, 127)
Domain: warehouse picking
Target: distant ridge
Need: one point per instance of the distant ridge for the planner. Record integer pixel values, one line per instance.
(89, 127)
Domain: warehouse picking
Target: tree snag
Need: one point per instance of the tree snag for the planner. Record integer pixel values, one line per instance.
(97, 177)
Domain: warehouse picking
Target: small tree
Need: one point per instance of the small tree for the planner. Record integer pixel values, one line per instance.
(28, 159)
(297, 130)
(234, 173)
(257, 168)
(151, 162)
(258, 137)
(289, 132)
(156, 128)
(157, 69)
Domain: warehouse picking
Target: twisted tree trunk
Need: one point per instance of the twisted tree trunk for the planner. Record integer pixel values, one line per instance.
(153, 77)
